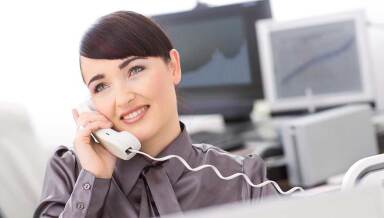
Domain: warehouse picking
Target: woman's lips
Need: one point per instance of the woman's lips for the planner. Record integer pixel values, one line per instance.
(135, 115)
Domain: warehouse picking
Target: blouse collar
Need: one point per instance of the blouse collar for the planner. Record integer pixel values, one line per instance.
(127, 172)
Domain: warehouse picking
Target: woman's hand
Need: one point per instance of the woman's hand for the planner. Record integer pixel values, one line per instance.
(93, 157)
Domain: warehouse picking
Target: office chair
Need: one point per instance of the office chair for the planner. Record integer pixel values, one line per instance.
(366, 171)
(22, 162)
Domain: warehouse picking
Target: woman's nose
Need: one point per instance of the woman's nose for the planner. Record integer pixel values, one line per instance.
(124, 96)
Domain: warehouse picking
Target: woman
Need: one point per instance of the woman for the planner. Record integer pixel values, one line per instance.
(131, 70)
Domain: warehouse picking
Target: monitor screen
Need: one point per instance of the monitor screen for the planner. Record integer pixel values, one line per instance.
(221, 61)
(219, 57)
(325, 56)
(315, 62)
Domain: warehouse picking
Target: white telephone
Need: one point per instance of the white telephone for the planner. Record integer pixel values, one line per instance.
(118, 143)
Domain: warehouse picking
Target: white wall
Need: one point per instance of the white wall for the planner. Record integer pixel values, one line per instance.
(376, 35)
(39, 50)
(39, 56)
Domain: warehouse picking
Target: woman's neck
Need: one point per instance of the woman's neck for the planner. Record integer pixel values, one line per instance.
(162, 139)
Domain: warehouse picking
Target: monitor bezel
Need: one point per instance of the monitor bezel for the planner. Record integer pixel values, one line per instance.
(266, 27)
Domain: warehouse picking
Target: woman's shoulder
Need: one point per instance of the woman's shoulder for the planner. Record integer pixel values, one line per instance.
(64, 159)
(209, 154)
(209, 151)
(63, 153)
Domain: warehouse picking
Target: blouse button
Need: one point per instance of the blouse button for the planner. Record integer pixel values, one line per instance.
(86, 186)
(80, 205)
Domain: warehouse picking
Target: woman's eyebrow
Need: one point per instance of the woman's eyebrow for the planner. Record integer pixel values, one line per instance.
(96, 77)
(129, 60)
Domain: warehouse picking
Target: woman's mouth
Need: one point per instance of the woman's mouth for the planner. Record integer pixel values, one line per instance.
(135, 116)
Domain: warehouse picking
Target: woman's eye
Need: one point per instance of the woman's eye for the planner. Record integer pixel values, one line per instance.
(136, 69)
(99, 87)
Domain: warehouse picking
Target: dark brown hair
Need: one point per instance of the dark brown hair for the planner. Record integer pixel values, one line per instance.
(122, 34)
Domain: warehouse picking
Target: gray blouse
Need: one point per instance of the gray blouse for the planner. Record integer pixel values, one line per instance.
(141, 187)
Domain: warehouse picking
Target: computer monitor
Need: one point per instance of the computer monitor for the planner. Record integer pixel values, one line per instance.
(316, 62)
(219, 57)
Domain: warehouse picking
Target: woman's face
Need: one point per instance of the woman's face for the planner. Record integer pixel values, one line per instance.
(136, 93)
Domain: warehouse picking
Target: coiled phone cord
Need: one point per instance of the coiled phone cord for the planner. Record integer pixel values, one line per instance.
(218, 172)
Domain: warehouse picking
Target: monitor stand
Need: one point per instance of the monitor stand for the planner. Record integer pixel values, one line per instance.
(238, 125)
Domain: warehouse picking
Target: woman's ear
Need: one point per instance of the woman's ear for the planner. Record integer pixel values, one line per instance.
(175, 66)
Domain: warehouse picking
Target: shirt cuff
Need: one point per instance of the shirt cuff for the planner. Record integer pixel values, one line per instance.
(88, 196)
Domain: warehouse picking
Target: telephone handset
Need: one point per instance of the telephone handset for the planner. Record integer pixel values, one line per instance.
(118, 143)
